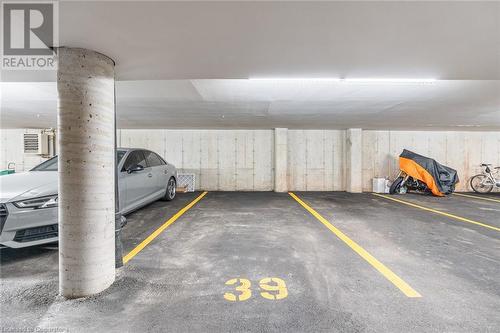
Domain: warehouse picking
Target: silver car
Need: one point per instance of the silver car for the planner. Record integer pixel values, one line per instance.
(28, 200)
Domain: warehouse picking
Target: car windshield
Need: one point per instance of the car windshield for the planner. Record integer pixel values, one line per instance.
(51, 165)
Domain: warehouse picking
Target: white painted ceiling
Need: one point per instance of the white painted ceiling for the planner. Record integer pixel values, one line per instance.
(449, 105)
(185, 64)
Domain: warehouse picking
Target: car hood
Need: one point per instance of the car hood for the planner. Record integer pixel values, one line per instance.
(25, 185)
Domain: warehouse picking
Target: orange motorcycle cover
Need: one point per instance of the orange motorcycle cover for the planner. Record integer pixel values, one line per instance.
(414, 170)
(440, 179)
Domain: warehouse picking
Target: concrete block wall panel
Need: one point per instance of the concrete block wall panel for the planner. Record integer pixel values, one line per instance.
(190, 142)
(245, 161)
(226, 147)
(209, 164)
(174, 147)
(224, 160)
(488, 152)
(297, 158)
(11, 150)
(318, 152)
(263, 160)
(316, 160)
(463, 151)
(377, 159)
(315, 157)
(153, 139)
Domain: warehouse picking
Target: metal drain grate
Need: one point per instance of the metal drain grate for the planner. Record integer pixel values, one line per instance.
(187, 180)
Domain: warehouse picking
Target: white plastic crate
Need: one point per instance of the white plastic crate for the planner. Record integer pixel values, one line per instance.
(187, 180)
(380, 185)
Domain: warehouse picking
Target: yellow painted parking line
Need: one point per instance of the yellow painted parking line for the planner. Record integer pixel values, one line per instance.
(477, 197)
(459, 218)
(158, 231)
(384, 270)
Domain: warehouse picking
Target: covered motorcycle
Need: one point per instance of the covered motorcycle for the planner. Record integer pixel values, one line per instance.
(424, 174)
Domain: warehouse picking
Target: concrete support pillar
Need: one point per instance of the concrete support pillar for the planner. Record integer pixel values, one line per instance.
(280, 159)
(86, 133)
(354, 162)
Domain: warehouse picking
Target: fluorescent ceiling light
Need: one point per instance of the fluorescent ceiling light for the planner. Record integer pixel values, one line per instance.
(360, 80)
(298, 79)
(391, 81)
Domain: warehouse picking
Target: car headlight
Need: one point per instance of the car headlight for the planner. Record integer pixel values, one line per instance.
(38, 203)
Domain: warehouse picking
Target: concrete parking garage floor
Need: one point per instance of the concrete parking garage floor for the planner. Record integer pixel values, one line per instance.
(178, 281)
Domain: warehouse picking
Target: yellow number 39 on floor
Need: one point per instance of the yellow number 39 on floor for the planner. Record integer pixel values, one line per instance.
(278, 287)
(273, 289)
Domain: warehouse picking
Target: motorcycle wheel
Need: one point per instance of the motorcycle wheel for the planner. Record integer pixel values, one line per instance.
(396, 186)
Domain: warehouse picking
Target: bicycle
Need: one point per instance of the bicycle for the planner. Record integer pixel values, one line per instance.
(486, 181)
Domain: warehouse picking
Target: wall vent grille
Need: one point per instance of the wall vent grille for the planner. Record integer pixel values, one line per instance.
(36, 143)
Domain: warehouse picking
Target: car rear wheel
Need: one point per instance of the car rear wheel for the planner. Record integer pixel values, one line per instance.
(170, 192)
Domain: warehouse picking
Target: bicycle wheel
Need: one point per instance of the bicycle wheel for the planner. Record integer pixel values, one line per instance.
(479, 184)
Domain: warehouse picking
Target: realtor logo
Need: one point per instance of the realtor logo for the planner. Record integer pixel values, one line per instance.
(29, 35)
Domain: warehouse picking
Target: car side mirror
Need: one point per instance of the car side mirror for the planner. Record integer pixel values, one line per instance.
(135, 168)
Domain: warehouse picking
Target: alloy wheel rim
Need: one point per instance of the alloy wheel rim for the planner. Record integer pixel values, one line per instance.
(171, 188)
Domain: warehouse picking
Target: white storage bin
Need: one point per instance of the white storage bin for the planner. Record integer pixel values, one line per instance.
(380, 185)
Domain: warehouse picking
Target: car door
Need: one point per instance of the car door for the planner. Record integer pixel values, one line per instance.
(137, 184)
(158, 167)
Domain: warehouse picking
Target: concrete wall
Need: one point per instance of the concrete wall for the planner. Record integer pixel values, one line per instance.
(224, 160)
(463, 151)
(244, 159)
(11, 150)
(316, 160)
